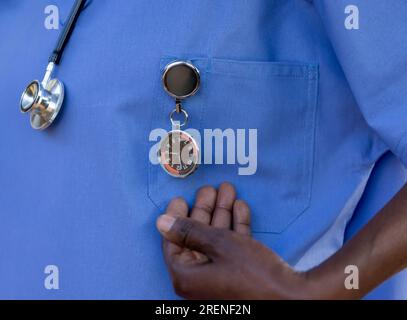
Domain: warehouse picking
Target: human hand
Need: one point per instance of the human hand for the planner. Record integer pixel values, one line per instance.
(211, 255)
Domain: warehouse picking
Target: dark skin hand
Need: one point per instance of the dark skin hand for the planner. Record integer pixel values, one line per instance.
(211, 255)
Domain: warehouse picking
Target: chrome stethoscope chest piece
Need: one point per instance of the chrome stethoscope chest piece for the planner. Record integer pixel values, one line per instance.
(43, 101)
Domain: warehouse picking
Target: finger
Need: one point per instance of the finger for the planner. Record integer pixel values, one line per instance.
(241, 218)
(179, 208)
(202, 212)
(191, 234)
(176, 208)
(204, 205)
(222, 215)
(170, 250)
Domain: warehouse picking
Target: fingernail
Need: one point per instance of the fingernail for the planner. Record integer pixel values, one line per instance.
(165, 222)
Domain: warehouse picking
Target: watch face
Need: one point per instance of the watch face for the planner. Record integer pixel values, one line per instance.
(179, 154)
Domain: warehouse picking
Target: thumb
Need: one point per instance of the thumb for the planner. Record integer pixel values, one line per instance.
(189, 233)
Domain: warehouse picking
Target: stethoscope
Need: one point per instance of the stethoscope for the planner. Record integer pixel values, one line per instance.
(44, 99)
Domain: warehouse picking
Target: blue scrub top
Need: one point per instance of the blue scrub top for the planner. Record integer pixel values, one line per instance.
(327, 102)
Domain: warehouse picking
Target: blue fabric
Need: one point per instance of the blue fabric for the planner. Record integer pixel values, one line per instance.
(327, 103)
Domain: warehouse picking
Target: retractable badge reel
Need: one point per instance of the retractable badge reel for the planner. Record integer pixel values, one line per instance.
(179, 153)
(44, 99)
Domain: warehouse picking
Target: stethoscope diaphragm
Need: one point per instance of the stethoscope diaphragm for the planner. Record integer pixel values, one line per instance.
(43, 102)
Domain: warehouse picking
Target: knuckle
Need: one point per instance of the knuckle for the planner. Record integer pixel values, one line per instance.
(204, 207)
(234, 238)
(222, 210)
(185, 230)
(202, 216)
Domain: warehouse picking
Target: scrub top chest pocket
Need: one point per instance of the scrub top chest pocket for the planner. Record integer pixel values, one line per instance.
(279, 101)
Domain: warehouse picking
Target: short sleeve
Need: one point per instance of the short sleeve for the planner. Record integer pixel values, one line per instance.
(370, 40)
